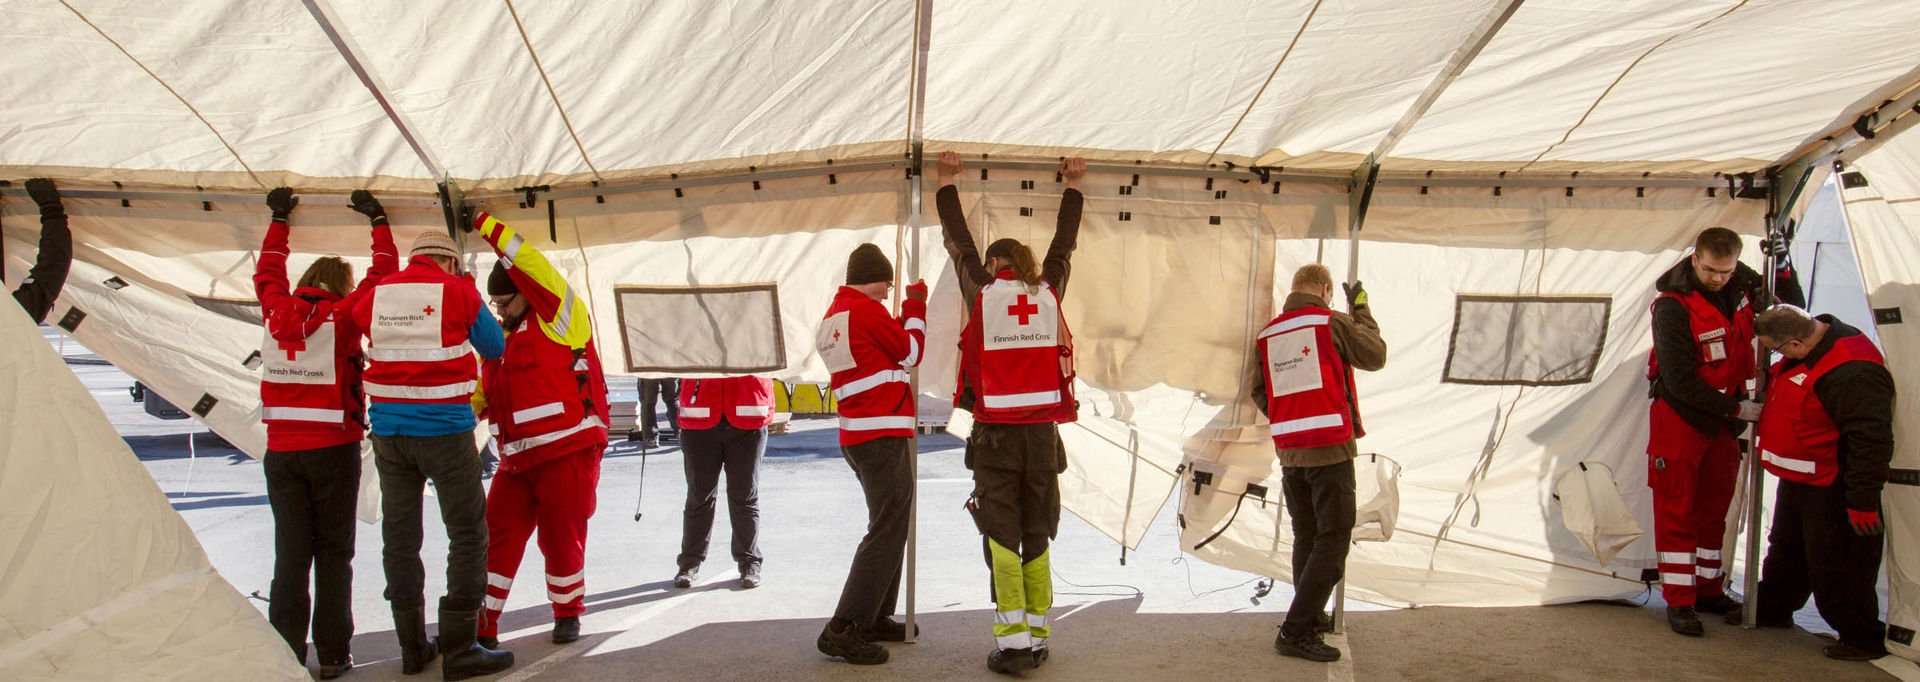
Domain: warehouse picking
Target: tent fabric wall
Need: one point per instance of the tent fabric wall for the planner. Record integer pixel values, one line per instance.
(103, 577)
(1885, 219)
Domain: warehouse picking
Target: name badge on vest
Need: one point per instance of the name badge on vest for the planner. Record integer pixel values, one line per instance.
(307, 361)
(1713, 346)
(407, 315)
(1293, 362)
(834, 343)
(1011, 317)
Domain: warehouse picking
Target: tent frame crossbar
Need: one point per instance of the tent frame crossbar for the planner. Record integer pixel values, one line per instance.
(323, 15)
(1883, 120)
(196, 197)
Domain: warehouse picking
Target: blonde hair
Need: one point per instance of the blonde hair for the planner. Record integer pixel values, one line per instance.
(330, 273)
(1311, 277)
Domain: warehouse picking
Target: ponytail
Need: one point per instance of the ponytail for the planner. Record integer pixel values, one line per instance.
(1024, 266)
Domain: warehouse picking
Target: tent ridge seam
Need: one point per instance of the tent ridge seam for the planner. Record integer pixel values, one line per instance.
(1263, 86)
(555, 96)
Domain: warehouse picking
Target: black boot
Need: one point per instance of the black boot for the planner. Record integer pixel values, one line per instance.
(1684, 620)
(844, 640)
(1719, 605)
(1307, 645)
(1010, 661)
(416, 648)
(463, 656)
(566, 629)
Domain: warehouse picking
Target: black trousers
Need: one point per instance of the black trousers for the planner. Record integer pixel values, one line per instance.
(1016, 484)
(406, 463)
(885, 471)
(706, 453)
(1321, 502)
(1813, 552)
(313, 494)
(656, 389)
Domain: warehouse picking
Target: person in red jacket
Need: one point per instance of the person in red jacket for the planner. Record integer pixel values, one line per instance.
(545, 400)
(1016, 377)
(1827, 432)
(310, 400)
(723, 425)
(869, 352)
(1702, 359)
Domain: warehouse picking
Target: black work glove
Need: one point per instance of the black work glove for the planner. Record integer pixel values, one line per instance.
(43, 193)
(1356, 295)
(368, 206)
(1775, 246)
(281, 201)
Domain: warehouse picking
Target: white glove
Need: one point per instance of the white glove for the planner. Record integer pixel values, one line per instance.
(1749, 411)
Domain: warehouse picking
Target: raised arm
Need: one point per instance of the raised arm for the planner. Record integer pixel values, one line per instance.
(563, 316)
(270, 282)
(904, 339)
(1066, 233)
(953, 222)
(386, 258)
(42, 285)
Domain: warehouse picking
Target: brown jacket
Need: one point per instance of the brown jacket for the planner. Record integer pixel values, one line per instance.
(1356, 338)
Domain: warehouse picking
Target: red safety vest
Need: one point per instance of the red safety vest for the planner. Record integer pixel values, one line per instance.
(744, 402)
(1798, 440)
(1725, 347)
(869, 352)
(543, 400)
(416, 323)
(1017, 353)
(1310, 398)
(310, 387)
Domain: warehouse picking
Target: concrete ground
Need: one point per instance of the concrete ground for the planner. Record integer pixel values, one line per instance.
(1159, 616)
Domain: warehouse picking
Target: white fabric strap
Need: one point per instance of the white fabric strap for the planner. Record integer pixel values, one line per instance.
(915, 324)
(568, 596)
(303, 414)
(538, 412)
(1676, 558)
(695, 412)
(753, 410)
(530, 442)
(1285, 326)
(869, 382)
(417, 354)
(913, 352)
(1788, 463)
(500, 581)
(1676, 579)
(442, 392)
(1325, 421)
(1707, 554)
(875, 423)
(1008, 402)
(566, 580)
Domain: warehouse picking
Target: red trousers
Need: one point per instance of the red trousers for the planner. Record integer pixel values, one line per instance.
(1693, 476)
(556, 497)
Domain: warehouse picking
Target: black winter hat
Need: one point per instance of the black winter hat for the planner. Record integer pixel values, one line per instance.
(867, 264)
(499, 283)
(1002, 248)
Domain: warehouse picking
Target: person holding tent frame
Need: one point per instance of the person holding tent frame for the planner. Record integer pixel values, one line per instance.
(1016, 377)
(43, 283)
(312, 403)
(1703, 357)
(1308, 395)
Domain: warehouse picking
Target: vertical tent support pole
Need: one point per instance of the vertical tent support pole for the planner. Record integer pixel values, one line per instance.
(1359, 197)
(922, 33)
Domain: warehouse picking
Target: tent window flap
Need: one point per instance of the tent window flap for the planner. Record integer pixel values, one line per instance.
(720, 329)
(1500, 340)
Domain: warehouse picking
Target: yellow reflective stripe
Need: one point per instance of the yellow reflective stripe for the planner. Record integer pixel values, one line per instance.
(535, 266)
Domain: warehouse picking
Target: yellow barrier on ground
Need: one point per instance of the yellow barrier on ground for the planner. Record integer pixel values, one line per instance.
(803, 399)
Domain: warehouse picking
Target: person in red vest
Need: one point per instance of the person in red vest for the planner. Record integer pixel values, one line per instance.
(545, 401)
(49, 274)
(1016, 377)
(311, 402)
(1703, 357)
(723, 423)
(869, 352)
(1827, 432)
(1304, 386)
(423, 325)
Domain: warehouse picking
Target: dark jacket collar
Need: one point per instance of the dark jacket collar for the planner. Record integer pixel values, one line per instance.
(1297, 300)
(1836, 330)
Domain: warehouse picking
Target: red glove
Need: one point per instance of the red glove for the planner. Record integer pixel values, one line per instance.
(1864, 522)
(917, 291)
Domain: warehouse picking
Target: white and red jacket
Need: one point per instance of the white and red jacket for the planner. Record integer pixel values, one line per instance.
(546, 396)
(310, 394)
(1726, 354)
(416, 322)
(744, 402)
(1309, 386)
(1798, 440)
(869, 351)
(1018, 352)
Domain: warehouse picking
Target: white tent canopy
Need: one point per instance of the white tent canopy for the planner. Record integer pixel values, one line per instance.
(1540, 163)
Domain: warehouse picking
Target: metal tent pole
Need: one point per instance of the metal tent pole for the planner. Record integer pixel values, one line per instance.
(923, 29)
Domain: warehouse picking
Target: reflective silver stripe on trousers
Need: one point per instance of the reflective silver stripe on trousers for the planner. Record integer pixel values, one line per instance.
(537, 412)
(303, 414)
(566, 580)
(869, 382)
(591, 422)
(500, 581)
(442, 392)
(417, 354)
(1707, 554)
(1003, 402)
(1295, 323)
(1676, 578)
(1676, 558)
(1325, 421)
(875, 423)
(562, 598)
(494, 604)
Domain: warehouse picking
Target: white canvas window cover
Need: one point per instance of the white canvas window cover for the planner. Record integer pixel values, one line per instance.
(1594, 511)
(1500, 340)
(732, 328)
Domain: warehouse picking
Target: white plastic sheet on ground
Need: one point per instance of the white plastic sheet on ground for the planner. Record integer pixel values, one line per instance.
(103, 578)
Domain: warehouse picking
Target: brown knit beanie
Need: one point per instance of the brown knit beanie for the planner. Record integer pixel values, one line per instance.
(434, 243)
(868, 265)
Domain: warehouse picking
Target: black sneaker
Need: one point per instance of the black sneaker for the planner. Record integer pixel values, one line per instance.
(684, 579)
(1308, 646)
(843, 641)
(1685, 621)
(1322, 623)
(749, 576)
(328, 672)
(886, 630)
(1759, 621)
(566, 629)
(1843, 651)
(1011, 661)
(1718, 605)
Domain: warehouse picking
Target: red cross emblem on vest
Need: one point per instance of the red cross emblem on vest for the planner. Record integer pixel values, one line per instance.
(1305, 351)
(292, 347)
(836, 336)
(1023, 310)
(428, 310)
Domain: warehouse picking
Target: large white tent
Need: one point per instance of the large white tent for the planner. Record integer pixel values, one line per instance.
(1512, 176)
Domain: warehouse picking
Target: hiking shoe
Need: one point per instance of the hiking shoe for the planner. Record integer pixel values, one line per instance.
(328, 672)
(843, 641)
(565, 630)
(684, 579)
(1010, 661)
(749, 576)
(1685, 621)
(1308, 646)
(1323, 623)
(1718, 604)
(886, 630)
(1843, 651)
